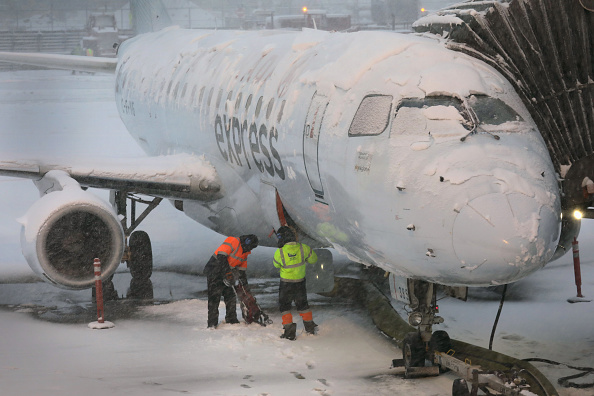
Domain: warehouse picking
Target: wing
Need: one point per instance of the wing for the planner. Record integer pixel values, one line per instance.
(66, 62)
(180, 176)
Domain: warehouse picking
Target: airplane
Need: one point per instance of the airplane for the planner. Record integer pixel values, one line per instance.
(390, 148)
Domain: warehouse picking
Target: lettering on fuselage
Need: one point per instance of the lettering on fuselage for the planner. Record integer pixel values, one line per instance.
(128, 107)
(363, 163)
(248, 145)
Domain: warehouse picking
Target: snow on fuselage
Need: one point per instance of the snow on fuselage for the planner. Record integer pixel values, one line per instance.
(360, 134)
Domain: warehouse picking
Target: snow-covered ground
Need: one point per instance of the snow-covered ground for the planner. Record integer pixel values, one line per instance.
(47, 348)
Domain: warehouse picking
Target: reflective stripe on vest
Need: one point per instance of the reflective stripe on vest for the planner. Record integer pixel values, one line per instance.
(292, 277)
(282, 254)
(231, 248)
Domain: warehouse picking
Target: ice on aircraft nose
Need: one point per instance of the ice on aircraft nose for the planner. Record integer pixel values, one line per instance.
(503, 237)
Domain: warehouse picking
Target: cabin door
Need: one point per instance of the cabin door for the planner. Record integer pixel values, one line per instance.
(311, 137)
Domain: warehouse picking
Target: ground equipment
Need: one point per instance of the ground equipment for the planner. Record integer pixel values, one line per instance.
(250, 309)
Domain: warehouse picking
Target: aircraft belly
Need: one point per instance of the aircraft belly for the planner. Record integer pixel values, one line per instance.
(238, 212)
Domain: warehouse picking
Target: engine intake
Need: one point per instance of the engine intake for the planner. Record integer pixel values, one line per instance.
(64, 231)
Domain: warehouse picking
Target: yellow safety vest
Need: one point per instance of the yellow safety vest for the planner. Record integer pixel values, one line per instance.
(291, 260)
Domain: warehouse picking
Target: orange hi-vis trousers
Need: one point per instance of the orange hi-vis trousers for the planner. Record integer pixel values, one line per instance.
(306, 316)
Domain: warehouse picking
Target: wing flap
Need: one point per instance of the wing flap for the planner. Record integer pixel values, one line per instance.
(180, 176)
(67, 62)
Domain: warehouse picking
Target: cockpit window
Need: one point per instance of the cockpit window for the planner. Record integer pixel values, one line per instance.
(372, 116)
(492, 111)
(447, 116)
(440, 115)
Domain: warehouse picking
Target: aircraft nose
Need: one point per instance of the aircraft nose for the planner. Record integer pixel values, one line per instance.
(500, 238)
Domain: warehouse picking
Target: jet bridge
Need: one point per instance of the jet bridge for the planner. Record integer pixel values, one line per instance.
(545, 48)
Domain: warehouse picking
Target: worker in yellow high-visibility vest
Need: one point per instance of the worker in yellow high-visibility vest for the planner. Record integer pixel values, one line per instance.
(291, 258)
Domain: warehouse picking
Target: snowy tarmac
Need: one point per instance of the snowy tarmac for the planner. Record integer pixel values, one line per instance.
(164, 348)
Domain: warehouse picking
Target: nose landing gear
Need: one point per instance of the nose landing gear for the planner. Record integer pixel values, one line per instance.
(427, 353)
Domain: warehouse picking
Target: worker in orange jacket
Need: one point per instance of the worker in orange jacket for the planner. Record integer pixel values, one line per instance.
(227, 264)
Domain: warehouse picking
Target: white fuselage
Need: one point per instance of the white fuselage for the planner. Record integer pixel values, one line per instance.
(360, 136)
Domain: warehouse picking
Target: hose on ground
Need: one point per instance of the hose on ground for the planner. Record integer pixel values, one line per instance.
(565, 381)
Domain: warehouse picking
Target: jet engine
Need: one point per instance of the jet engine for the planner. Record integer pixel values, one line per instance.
(65, 230)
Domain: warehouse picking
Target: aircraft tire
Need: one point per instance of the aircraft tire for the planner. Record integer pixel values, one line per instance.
(413, 351)
(460, 388)
(440, 342)
(141, 256)
(140, 289)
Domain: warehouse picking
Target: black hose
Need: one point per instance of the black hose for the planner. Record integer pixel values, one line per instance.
(497, 317)
(564, 381)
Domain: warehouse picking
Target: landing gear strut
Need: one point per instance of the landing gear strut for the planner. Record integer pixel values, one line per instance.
(138, 254)
(420, 345)
(427, 353)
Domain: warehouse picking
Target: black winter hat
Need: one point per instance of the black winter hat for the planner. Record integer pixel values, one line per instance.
(285, 235)
(248, 242)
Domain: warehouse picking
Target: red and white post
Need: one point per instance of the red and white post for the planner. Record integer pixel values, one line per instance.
(98, 290)
(577, 273)
(100, 323)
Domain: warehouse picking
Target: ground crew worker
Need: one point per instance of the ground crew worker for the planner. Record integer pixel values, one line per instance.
(291, 258)
(227, 265)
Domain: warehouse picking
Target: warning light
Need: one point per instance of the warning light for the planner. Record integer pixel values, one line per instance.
(304, 9)
(423, 9)
(577, 214)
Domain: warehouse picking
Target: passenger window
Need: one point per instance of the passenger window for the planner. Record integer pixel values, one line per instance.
(162, 88)
(238, 102)
(372, 116)
(175, 90)
(228, 99)
(280, 112)
(219, 96)
(124, 79)
(193, 95)
(248, 102)
(269, 108)
(259, 106)
(200, 97)
(209, 97)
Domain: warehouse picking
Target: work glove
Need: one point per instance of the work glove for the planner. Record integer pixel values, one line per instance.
(229, 279)
(242, 277)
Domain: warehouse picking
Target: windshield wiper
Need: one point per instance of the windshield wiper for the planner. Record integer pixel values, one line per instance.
(475, 123)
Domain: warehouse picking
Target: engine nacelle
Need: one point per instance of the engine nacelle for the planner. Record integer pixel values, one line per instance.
(64, 231)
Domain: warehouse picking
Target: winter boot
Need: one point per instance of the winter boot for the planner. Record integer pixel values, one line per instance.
(290, 331)
(310, 326)
(231, 317)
